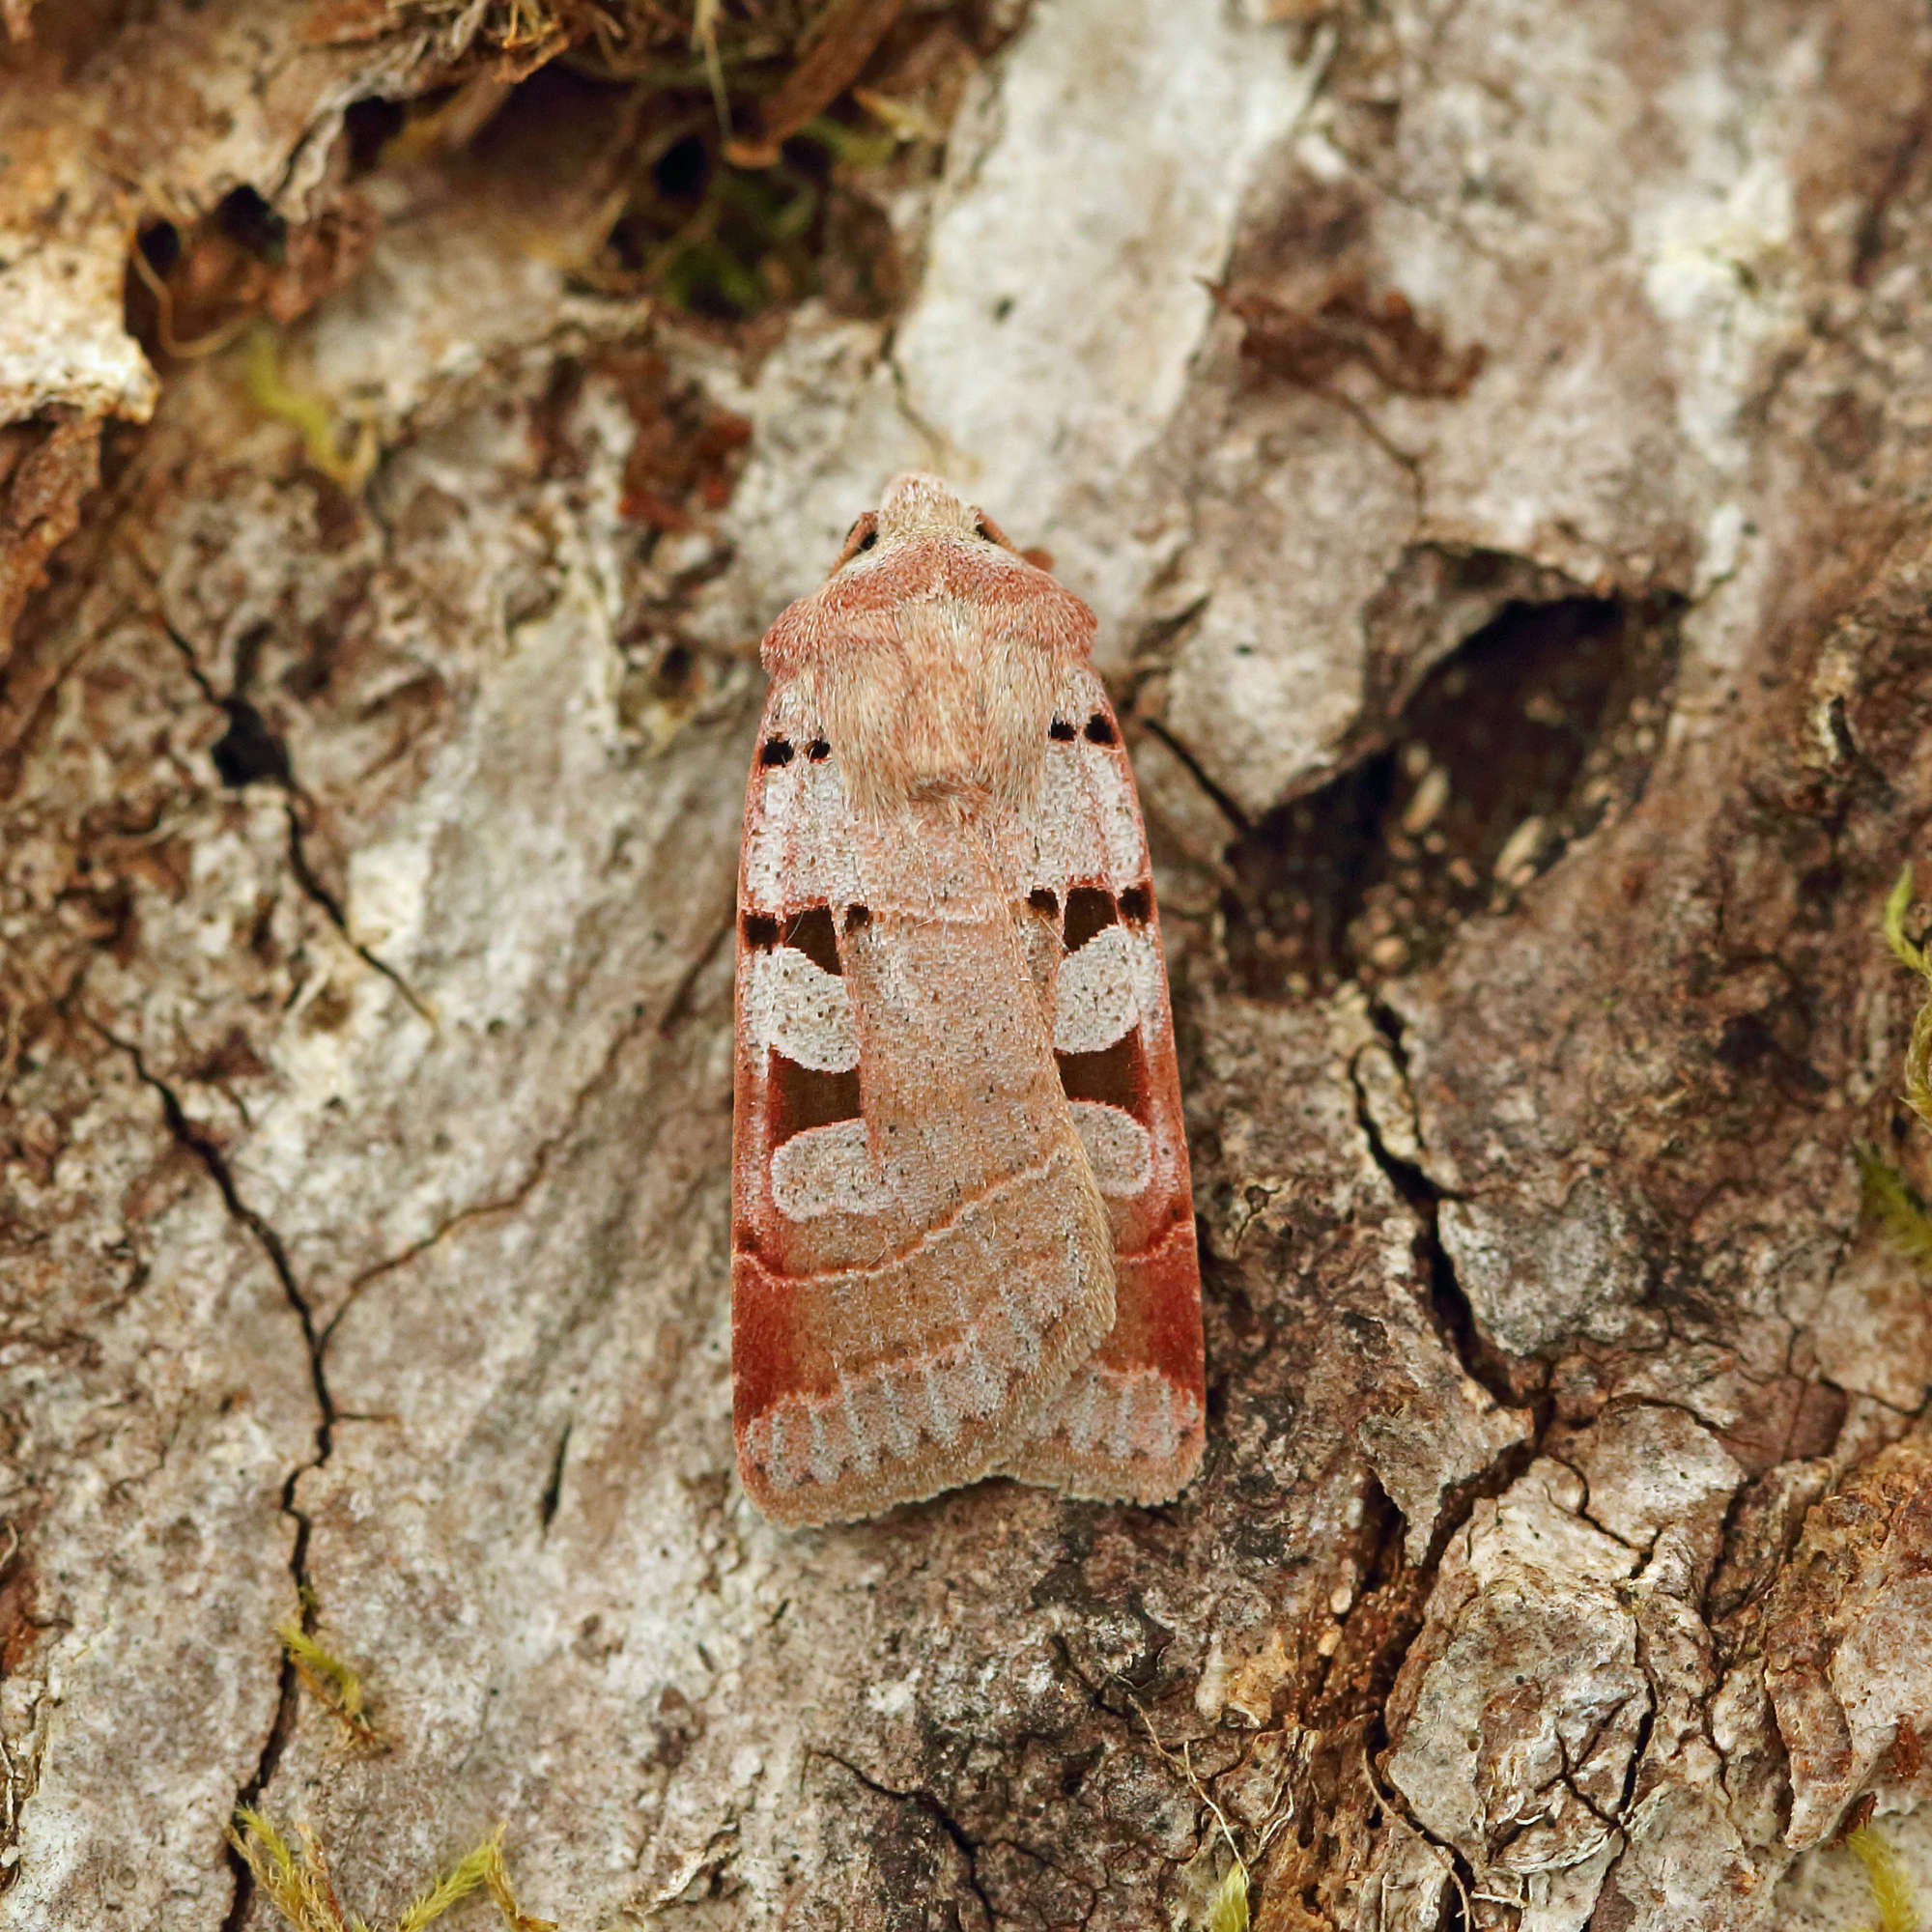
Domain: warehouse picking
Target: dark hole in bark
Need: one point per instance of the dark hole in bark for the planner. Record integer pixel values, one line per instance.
(675, 669)
(1116, 1075)
(248, 751)
(552, 1490)
(369, 126)
(767, 237)
(1089, 911)
(1551, 713)
(1769, 1044)
(683, 169)
(1075, 1771)
(243, 216)
(160, 243)
(802, 1098)
(812, 932)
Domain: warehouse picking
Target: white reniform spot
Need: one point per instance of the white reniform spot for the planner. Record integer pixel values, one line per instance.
(802, 844)
(1098, 992)
(796, 1005)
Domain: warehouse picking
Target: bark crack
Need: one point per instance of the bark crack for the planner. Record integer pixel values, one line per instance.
(197, 1141)
(1221, 800)
(1869, 246)
(260, 755)
(1450, 1308)
(676, 1010)
(1394, 1799)
(930, 1803)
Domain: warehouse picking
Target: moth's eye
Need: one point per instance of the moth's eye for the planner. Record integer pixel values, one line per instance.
(1059, 728)
(863, 535)
(988, 531)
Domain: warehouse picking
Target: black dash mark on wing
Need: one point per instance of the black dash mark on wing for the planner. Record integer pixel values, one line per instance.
(802, 1098)
(1136, 904)
(760, 931)
(1117, 1076)
(1100, 729)
(818, 751)
(1045, 901)
(1089, 911)
(775, 752)
(858, 918)
(812, 932)
(1061, 729)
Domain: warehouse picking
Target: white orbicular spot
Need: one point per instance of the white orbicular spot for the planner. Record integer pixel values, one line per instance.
(1105, 989)
(1064, 839)
(826, 1171)
(1118, 1148)
(796, 1005)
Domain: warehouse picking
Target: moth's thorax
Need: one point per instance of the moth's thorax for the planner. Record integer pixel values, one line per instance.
(933, 662)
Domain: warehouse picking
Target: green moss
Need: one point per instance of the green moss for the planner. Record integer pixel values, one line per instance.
(296, 1880)
(333, 1682)
(1913, 956)
(1891, 1889)
(1895, 1205)
(274, 396)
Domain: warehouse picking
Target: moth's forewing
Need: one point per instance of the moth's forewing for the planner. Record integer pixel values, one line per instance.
(1130, 1424)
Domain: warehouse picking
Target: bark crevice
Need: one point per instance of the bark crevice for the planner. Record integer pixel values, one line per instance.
(196, 1141)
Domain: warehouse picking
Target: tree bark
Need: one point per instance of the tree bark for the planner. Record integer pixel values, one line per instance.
(1494, 437)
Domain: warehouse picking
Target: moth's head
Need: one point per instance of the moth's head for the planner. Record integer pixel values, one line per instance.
(915, 506)
(923, 546)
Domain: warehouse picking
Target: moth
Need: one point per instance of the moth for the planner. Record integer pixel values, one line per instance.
(962, 1229)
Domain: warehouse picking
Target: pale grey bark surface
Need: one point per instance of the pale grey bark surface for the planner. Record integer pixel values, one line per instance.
(1531, 692)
